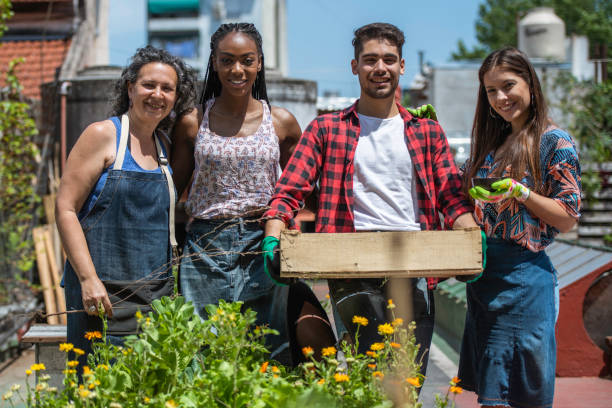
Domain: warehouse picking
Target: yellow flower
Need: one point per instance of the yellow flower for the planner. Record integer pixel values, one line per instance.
(28, 372)
(83, 393)
(275, 369)
(103, 366)
(397, 322)
(339, 377)
(371, 354)
(171, 404)
(78, 351)
(146, 399)
(377, 374)
(456, 389)
(72, 363)
(86, 370)
(7, 396)
(327, 296)
(138, 315)
(37, 367)
(69, 371)
(455, 380)
(362, 321)
(328, 351)
(307, 351)
(93, 335)
(385, 329)
(395, 345)
(66, 347)
(321, 381)
(390, 304)
(372, 366)
(91, 386)
(264, 367)
(377, 346)
(414, 381)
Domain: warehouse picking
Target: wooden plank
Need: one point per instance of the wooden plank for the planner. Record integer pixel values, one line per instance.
(45, 333)
(54, 269)
(381, 254)
(49, 206)
(44, 274)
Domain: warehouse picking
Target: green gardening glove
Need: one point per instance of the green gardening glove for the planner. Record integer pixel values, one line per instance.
(424, 111)
(271, 253)
(502, 190)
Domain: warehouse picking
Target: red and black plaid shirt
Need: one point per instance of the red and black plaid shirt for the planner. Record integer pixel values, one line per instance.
(325, 154)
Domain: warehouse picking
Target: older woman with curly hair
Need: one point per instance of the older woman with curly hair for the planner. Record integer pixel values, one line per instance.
(115, 202)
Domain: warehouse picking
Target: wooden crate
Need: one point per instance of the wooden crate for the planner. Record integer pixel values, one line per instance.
(381, 254)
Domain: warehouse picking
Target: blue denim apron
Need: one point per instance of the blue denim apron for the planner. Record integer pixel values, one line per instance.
(222, 260)
(127, 233)
(508, 354)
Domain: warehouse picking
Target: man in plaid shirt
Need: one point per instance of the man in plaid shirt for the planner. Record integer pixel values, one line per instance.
(378, 168)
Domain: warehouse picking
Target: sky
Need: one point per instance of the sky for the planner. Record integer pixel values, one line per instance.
(320, 34)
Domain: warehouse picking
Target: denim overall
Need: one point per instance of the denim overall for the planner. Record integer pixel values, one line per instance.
(508, 353)
(127, 233)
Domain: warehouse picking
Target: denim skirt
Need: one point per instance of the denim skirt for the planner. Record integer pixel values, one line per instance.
(508, 353)
(222, 260)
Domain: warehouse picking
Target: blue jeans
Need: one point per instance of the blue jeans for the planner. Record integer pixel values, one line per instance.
(222, 260)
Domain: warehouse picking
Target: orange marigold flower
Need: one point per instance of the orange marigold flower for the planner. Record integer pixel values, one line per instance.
(321, 381)
(378, 374)
(264, 367)
(385, 329)
(360, 320)
(275, 369)
(455, 380)
(414, 381)
(103, 366)
(78, 351)
(93, 335)
(328, 351)
(395, 345)
(83, 393)
(397, 322)
(86, 370)
(339, 377)
(390, 304)
(37, 367)
(72, 363)
(456, 390)
(372, 366)
(371, 354)
(307, 351)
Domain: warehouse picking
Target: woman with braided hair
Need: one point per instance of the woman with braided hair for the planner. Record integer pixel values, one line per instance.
(234, 146)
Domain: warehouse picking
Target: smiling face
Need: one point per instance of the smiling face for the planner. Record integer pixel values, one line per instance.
(154, 92)
(509, 95)
(379, 67)
(237, 63)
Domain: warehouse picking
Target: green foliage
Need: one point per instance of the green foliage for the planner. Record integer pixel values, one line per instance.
(18, 164)
(178, 360)
(497, 22)
(6, 12)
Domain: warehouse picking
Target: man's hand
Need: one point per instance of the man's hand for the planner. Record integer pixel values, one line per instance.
(502, 190)
(271, 253)
(424, 111)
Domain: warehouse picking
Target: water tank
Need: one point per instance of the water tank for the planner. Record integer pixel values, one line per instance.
(541, 34)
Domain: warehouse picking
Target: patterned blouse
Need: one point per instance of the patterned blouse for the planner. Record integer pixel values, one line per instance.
(234, 176)
(511, 220)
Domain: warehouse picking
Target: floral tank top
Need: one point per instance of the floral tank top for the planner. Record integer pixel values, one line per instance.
(234, 176)
(509, 219)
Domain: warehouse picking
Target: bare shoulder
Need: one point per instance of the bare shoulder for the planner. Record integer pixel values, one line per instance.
(186, 126)
(98, 137)
(285, 124)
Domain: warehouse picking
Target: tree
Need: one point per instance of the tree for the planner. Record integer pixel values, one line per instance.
(497, 24)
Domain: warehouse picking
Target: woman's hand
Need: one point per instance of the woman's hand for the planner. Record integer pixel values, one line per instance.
(95, 298)
(502, 190)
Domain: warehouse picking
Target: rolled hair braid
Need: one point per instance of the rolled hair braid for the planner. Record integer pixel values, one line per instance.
(212, 87)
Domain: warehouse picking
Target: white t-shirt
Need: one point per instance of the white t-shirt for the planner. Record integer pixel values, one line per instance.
(384, 183)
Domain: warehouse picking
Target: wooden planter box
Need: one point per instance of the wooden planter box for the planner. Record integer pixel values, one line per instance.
(405, 254)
